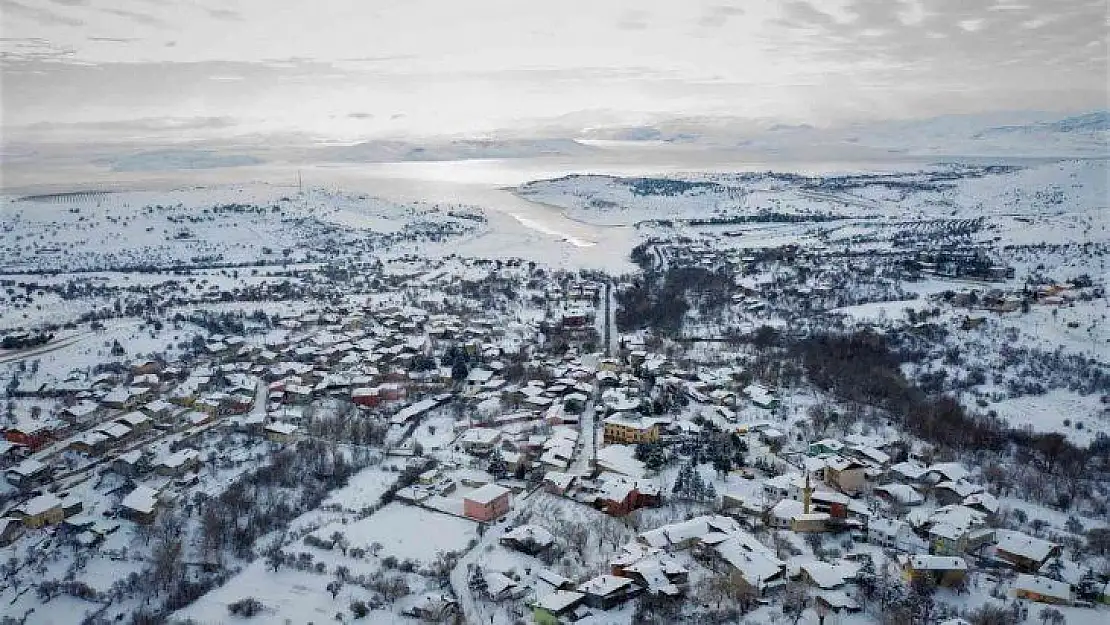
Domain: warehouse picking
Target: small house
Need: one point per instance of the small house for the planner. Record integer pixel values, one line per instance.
(136, 421)
(893, 534)
(81, 412)
(825, 447)
(90, 443)
(46, 509)
(160, 410)
(846, 474)
(660, 575)
(605, 592)
(33, 435)
(140, 505)
(529, 539)
(368, 397)
(179, 462)
(1026, 553)
(280, 432)
(761, 396)
(900, 494)
(28, 474)
(480, 441)
(943, 570)
(752, 565)
(557, 482)
(809, 522)
(487, 503)
(548, 609)
(954, 492)
(130, 464)
(1042, 589)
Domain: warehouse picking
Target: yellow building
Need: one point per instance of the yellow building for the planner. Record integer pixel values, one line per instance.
(611, 365)
(944, 570)
(629, 431)
(43, 510)
(281, 432)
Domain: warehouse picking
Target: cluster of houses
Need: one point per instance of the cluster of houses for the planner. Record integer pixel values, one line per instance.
(962, 263)
(142, 421)
(576, 308)
(935, 516)
(937, 520)
(942, 542)
(998, 300)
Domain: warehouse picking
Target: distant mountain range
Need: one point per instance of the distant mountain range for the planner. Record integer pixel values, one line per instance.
(168, 160)
(1007, 134)
(1021, 133)
(382, 151)
(1097, 121)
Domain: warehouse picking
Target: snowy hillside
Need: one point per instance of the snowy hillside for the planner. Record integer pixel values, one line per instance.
(205, 226)
(1057, 202)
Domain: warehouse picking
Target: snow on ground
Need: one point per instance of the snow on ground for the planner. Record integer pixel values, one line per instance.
(407, 532)
(1066, 211)
(435, 432)
(1051, 328)
(880, 312)
(82, 350)
(288, 596)
(1048, 412)
(363, 489)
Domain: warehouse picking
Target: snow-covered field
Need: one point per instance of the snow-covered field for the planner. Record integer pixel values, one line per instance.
(1078, 417)
(407, 532)
(127, 275)
(289, 596)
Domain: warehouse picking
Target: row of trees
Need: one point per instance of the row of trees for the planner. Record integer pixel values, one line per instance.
(660, 302)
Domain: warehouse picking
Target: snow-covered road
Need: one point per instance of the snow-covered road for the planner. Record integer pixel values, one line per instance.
(460, 576)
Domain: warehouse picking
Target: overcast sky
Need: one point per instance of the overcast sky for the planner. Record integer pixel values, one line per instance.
(372, 68)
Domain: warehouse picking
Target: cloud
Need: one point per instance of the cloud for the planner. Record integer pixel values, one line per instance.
(718, 15)
(454, 68)
(150, 130)
(224, 14)
(139, 18)
(976, 35)
(633, 20)
(37, 14)
(146, 124)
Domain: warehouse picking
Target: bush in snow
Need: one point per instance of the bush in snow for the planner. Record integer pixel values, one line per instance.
(246, 607)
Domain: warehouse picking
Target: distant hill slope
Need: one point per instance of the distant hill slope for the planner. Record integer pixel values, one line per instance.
(384, 151)
(1015, 133)
(1094, 122)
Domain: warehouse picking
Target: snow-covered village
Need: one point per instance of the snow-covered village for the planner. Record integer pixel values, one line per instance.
(753, 398)
(635, 312)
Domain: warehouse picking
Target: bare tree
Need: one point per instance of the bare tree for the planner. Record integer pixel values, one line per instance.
(794, 601)
(166, 558)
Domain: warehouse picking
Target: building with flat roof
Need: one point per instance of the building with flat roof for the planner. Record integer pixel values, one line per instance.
(486, 503)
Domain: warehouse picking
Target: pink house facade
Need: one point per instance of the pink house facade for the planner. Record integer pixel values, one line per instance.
(487, 503)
